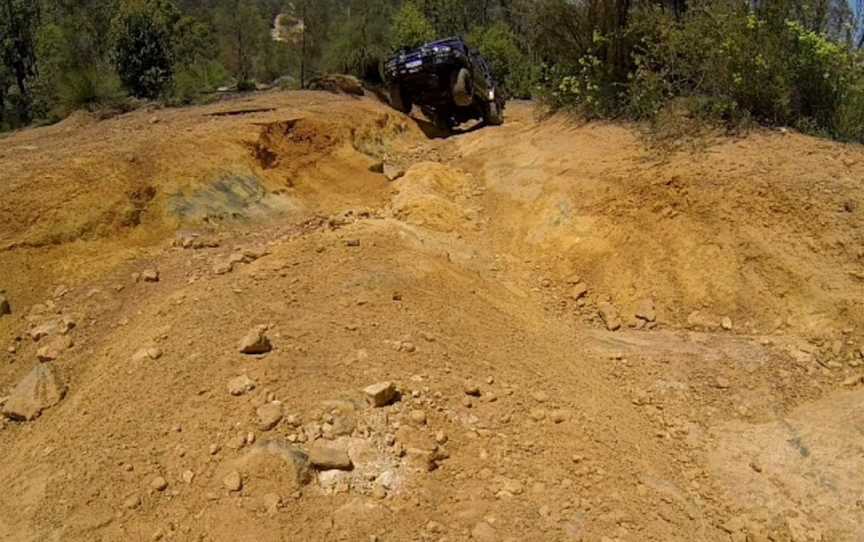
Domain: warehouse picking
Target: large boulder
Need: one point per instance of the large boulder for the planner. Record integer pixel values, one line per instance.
(346, 84)
(39, 390)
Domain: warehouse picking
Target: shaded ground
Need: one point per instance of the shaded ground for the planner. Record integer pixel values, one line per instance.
(727, 406)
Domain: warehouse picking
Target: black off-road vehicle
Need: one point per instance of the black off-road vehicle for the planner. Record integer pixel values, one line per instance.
(450, 82)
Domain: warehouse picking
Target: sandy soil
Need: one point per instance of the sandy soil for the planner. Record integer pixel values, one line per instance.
(592, 339)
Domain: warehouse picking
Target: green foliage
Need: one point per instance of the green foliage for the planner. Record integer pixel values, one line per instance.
(91, 88)
(410, 28)
(143, 46)
(722, 59)
(359, 43)
(499, 45)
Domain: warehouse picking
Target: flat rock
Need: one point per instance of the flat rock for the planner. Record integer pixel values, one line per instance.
(232, 481)
(328, 457)
(145, 354)
(645, 310)
(269, 416)
(39, 390)
(381, 394)
(579, 291)
(393, 172)
(240, 385)
(256, 342)
(150, 275)
(54, 348)
(609, 315)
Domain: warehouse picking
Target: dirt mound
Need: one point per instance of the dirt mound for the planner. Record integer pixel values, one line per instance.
(141, 251)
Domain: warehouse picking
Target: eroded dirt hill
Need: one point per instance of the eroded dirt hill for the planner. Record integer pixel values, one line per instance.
(591, 340)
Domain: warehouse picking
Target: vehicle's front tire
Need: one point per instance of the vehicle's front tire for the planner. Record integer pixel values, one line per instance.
(493, 114)
(399, 100)
(442, 122)
(462, 91)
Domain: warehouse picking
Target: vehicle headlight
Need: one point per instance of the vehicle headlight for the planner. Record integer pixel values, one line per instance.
(438, 49)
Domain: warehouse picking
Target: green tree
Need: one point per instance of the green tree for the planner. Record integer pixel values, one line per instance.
(360, 39)
(143, 52)
(19, 21)
(410, 27)
(243, 29)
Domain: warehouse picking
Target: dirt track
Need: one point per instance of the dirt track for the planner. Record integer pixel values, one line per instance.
(727, 406)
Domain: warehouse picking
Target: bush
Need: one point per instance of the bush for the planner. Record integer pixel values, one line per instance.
(410, 28)
(91, 89)
(725, 61)
(499, 45)
(143, 52)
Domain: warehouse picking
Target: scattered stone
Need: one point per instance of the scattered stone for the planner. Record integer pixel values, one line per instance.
(418, 417)
(722, 383)
(472, 389)
(853, 381)
(379, 492)
(726, 323)
(466, 402)
(328, 457)
(269, 416)
(4, 306)
(256, 342)
(43, 330)
(441, 438)
(646, 311)
(559, 416)
(352, 243)
(483, 532)
(54, 349)
(150, 275)
(150, 353)
(538, 414)
(132, 502)
(188, 476)
(540, 396)
(233, 481)
(579, 291)
(381, 394)
(39, 390)
(377, 167)
(393, 172)
(223, 267)
(159, 484)
(609, 315)
(240, 385)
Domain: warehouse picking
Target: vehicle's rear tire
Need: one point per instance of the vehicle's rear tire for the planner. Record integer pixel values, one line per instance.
(442, 122)
(399, 100)
(493, 114)
(462, 92)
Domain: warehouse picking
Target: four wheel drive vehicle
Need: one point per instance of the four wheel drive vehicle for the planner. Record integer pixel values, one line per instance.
(449, 81)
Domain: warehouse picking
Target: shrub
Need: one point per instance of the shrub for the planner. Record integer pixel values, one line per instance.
(499, 45)
(143, 52)
(410, 28)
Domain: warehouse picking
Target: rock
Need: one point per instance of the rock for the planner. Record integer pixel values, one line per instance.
(328, 457)
(418, 417)
(471, 389)
(537, 414)
(239, 385)
(43, 330)
(377, 167)
(188, 476)
(722, 383)
(39, 390)
(54, 349)
(645, 310)
(150, 275)
(150, 353)
(441, 437)
(559, 416)
(393, 172)
(726, 323)
(337, 83)
(232, 481)
(579, 291)
(610, 316)
(483, 532)
(381, 394)
(256, 342)
(853, 381)
(132, 502)
(159, 484)
(269, 415)
(4, 306)
(223, 267)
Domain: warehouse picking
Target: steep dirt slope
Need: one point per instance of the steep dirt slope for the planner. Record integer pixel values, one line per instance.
(592, 340)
